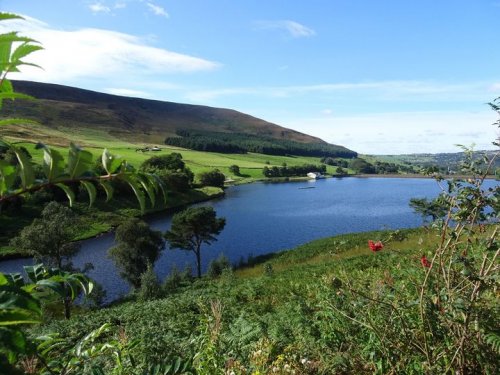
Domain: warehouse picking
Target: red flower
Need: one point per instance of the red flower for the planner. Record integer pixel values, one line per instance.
(375, 246)
(425, 262)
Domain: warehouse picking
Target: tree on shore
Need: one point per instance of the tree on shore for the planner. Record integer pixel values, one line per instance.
(49, 238)
(234, 169)
(193, 227)
(213, 178)
(138, 246)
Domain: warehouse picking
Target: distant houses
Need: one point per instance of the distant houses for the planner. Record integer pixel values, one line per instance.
(315, 175)
(148, 148)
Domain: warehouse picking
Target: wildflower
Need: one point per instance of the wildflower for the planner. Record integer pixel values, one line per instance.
(425, 262)
(375, 246)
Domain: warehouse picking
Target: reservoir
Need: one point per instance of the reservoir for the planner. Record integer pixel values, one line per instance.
(269, 217)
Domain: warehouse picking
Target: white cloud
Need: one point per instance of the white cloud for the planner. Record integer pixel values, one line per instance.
(293, 28)
(99, 8)
(403, 132)
(97, 53)
(127, 92)
(157, 10)
(495, 87)
(382, 90)
(120, 5)
(327, 112)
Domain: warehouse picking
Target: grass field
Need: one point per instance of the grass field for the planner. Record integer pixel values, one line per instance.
(250, 164)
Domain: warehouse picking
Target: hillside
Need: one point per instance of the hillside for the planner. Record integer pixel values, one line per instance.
(446, 162)
(64, 110)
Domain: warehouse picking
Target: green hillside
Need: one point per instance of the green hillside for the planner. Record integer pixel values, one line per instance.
(73, 114)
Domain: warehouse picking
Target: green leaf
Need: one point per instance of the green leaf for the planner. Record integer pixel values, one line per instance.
(159, 185)
(148, 187)
(15, 279)
(13, 340)
(14, 36)
(24, 50)
(6, 86)
(53, 162)
(6, 41)
(108, 188)
(12, 96)
(53, 284)
(17, 304)
(79, 161)
(8, 174)
(110, 162)
(15, 317)
(131, 180)
(36, 272)
(3, 279)
(25, 168)
(91, 190)
(69, 193)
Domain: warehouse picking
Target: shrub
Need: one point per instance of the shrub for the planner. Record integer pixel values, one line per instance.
(234, 169)
(173, 281)
(213, 178)
(150, 287)
(217, 266)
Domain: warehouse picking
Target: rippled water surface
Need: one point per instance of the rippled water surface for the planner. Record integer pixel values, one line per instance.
(264, 217)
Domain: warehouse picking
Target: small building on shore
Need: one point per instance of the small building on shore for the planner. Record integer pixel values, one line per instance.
(315, 175)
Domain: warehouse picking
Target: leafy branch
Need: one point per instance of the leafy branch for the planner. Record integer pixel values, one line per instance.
(20, 180)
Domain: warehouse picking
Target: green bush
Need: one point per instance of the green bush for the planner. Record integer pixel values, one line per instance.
(150, 287)
(217, 266)
(213, 178)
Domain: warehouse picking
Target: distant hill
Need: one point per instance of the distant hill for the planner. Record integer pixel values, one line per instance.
(447, 162)
(140, 121)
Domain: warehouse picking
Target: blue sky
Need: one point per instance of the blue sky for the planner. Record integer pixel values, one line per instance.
(380, 77)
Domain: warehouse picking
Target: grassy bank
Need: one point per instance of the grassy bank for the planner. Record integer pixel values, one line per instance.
(283, 314)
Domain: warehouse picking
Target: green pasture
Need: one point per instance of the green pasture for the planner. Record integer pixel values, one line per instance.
(250, 164)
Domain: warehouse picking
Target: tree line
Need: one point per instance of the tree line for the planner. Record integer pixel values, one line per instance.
(360, 165)
(241, 143)
(296, 170)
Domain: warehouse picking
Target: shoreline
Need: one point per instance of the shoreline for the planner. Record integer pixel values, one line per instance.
(196, 197)
(215, 195)
(445, 177)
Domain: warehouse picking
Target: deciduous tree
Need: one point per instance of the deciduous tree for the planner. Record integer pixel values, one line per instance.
(138, 246)
(193, 227)
(49, 238)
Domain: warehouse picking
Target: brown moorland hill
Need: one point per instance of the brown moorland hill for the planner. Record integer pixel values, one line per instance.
(136, 120)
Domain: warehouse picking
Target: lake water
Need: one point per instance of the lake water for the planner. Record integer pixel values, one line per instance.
(269, 217)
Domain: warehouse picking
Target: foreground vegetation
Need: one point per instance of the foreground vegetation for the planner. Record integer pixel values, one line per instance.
(331, 306)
